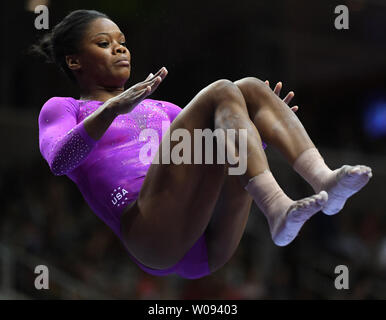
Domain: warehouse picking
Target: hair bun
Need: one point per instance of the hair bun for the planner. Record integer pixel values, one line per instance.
(44, 48)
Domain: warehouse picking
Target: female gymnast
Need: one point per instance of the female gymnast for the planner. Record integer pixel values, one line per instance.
(184, 218)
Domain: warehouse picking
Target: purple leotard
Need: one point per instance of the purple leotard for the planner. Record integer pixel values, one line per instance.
(108, 172)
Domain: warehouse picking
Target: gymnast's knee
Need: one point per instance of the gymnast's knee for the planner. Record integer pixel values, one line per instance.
(253, 88)
(250, 81)
(224, 89)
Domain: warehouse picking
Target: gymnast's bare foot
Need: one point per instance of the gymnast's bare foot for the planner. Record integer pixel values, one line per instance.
(285, 227)
(342, 184)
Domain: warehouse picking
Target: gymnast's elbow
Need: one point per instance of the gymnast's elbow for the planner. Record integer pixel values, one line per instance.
(58, 168)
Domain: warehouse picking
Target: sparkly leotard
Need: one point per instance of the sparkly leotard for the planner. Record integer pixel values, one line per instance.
(108, 172)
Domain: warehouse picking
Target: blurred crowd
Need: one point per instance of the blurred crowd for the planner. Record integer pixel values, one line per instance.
(46, 217)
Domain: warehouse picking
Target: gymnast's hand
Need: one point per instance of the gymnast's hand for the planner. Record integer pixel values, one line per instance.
(128, 99)
(288, 97)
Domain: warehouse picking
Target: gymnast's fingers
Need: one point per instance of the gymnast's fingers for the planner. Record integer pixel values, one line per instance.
(289, 97)
(154, 85)
(142, 94)
(151, 87)
(278, 88)
(161, 72)
(153, 80)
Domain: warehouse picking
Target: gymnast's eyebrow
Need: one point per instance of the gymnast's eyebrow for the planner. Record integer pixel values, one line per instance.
(107, 33)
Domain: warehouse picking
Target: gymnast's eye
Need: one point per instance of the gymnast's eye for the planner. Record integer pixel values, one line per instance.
(123, 44)
(103, 44)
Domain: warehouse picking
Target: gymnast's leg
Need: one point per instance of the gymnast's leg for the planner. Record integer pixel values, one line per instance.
(230, 216)
(176, 202)
(280, 127)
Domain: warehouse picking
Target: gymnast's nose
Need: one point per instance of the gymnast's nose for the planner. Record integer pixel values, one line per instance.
(120, 49)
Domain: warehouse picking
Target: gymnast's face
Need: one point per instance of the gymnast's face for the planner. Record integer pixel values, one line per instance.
(102, 47)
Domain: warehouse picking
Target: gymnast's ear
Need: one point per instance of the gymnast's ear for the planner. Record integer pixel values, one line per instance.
(73, 62)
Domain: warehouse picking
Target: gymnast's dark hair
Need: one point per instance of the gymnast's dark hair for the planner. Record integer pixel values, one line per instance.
(65, 38)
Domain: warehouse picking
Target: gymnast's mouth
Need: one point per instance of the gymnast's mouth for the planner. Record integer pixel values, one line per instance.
(122, 62)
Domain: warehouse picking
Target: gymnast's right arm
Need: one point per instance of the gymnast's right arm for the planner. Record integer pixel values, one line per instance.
(64, 143)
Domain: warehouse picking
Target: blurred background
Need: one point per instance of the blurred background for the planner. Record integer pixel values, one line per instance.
(339, 77)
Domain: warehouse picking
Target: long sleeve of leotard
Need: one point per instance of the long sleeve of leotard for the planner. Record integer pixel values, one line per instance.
(63, 142)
